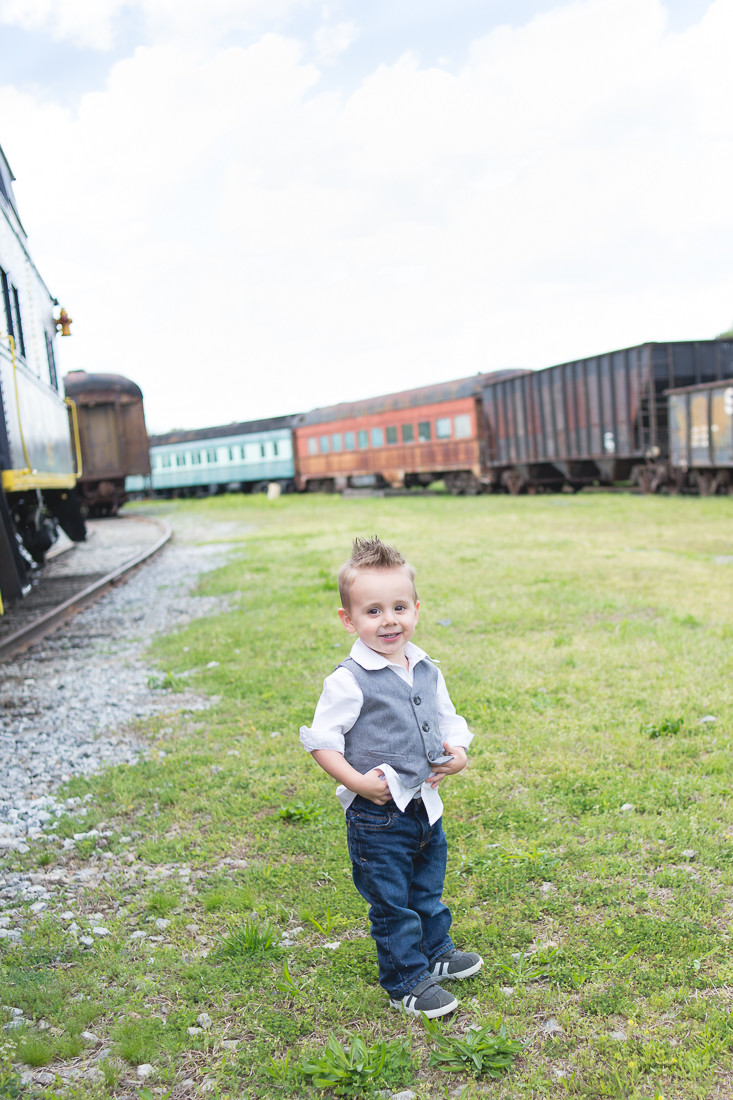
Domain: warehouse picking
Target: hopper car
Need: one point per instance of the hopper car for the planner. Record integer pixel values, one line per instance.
(113, 438)
(240, 457)
(701, 437)
(38, 456)
(603, 420)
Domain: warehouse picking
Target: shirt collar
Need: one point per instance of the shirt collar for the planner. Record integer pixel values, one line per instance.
(370, 659)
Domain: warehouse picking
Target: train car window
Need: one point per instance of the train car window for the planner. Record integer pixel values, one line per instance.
(196, 458)
(408, 433)
(442, 427)
(391, 435)
(462, 426)
(324, 444)
(262, 450)
(363, 441)
(212, 456)
(8, 326)
(312, 445)
(53, 376)
(166, 460)
(336, 442)
(349, 441)
(377, 437)
(18, 322)
(274, 447)
(424, 433)
(180, 460)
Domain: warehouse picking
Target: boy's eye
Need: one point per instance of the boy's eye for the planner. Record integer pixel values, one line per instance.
(400, 607)
(373, 611)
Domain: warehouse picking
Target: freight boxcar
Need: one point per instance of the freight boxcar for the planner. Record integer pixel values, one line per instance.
(701, 437)
(600, 420)
(114, 441)
(37, 460)
(242, 457)
(404, 439)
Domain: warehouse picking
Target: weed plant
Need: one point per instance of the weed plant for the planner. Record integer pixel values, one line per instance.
(587, 641)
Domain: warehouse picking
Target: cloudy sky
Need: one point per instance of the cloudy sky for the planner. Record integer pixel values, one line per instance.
(254, 207)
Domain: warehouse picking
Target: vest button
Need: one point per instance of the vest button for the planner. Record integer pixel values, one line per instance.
(417, 700)
(426, 726)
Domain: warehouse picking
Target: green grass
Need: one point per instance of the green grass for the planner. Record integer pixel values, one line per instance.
(585, 638)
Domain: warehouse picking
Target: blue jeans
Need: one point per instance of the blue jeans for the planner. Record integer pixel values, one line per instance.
(398, 863)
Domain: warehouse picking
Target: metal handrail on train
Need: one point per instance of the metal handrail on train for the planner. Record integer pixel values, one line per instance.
(11, 340)
(77, 438)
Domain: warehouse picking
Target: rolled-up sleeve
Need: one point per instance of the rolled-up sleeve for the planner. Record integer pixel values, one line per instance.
(453, 728)
(337, 711)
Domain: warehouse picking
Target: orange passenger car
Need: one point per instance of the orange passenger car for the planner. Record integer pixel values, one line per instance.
(402, 440)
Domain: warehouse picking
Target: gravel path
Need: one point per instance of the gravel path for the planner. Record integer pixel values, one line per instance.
(66, 704)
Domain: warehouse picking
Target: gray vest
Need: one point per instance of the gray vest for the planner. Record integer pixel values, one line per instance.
(398, 724)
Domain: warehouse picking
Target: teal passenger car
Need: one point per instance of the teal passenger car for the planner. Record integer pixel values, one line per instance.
(240, 457)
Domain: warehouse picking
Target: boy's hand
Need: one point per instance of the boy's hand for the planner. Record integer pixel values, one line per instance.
(457, 764)
(373, 786)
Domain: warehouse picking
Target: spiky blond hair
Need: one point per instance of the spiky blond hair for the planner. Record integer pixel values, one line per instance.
(369, 554)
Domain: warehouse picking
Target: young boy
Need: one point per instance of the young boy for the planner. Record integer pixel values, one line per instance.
(386, 729)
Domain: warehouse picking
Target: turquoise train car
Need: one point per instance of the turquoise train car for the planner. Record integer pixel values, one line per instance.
(241, 457)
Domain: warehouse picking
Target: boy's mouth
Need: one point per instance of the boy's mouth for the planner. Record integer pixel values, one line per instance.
(389, 637)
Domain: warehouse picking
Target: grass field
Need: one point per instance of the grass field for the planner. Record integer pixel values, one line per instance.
(587, 640)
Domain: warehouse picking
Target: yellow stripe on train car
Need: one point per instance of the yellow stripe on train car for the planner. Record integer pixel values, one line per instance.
(19, 481)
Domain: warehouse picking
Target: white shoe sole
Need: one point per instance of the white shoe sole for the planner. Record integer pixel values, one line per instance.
(438, 977)
(431, 1013)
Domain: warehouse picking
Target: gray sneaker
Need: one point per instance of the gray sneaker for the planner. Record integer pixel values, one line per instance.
(455, 964)
(426, 997)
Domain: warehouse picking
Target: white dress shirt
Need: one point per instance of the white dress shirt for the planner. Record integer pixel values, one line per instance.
(340, 706)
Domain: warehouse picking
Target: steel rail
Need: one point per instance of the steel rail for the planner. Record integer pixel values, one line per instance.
(33, 632)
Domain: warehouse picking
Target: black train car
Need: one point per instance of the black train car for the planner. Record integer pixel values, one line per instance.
(600, 420)
(701, 437)
(113, 438)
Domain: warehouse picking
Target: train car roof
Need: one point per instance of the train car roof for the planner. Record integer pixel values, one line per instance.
(6, 184)
(405, 399)
(197, 435)
(78, 383)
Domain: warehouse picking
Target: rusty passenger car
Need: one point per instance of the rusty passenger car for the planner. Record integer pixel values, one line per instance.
(601, 420)
(701, 437)
(403, 439)
(114, 440)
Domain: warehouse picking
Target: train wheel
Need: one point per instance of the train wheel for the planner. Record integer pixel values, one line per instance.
(705, 483)
(676, 482)
(513, 481)
(645, 479)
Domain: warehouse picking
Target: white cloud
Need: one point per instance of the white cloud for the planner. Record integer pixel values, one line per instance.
(87, 25)
(333, 39)
(97, 24)
(242, 244)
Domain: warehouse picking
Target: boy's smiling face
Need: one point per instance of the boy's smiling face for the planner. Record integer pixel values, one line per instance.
(383, 611)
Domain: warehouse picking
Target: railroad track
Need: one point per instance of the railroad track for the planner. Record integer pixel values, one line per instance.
(78, 575)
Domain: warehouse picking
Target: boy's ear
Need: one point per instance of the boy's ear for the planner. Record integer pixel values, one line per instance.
(346, 620)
